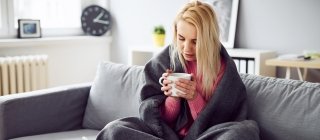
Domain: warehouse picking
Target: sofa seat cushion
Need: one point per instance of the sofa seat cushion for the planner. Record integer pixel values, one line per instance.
(284, 109)
(114, 94)
(82, 134)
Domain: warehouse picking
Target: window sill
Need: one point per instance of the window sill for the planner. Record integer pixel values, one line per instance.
(47, 41)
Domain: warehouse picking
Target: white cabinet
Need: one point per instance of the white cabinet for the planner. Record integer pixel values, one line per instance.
(141, 55)
(253, 61)
(247, 60)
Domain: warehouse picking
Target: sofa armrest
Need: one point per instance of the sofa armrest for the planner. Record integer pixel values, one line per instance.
(43, 111)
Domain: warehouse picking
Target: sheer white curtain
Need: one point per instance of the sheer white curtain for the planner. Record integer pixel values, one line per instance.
(3, 30)
(1, 15)
(52, 13)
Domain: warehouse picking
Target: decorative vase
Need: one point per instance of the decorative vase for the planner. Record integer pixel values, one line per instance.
(159, 39)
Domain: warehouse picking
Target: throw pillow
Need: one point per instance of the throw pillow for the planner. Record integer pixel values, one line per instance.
(114, 94)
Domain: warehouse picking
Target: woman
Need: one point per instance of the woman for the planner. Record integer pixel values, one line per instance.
(211, 106)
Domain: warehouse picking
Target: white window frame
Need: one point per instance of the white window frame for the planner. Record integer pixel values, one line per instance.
(12, 32)
(3, 30)
(9, 31)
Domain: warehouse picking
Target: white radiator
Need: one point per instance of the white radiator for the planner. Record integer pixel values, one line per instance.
(23, 73)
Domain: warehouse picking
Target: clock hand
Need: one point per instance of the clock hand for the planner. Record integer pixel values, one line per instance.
(101, 21)
(98, 17)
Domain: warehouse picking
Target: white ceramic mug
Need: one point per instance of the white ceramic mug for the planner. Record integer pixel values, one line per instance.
(174, 77)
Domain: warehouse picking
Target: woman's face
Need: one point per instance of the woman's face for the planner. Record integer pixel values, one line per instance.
(187, 38)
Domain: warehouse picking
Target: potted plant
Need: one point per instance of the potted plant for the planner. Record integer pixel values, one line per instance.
(159, 34)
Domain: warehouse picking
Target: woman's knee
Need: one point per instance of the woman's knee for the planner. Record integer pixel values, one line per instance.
(110, 130)
(124, 128)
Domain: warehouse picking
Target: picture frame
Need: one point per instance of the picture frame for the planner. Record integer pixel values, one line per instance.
(227, 13)
(29, 28)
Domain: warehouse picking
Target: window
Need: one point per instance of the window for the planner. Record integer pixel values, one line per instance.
(0, 16)
(52, 13)
(3, 30)
(57, 17)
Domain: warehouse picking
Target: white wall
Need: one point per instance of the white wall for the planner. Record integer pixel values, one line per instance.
(133, 23)
(285, 26)
(71, 60)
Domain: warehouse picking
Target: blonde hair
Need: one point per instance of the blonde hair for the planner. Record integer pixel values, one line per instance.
(204, 19)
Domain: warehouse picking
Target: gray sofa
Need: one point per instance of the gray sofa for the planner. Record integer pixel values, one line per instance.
(284, 109)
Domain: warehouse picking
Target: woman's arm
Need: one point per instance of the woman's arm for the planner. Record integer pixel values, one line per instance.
(196, 105)
(170, 109)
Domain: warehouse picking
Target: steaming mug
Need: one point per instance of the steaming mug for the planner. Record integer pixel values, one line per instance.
(174, 77)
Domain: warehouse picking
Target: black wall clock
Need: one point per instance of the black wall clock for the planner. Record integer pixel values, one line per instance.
(95, 20)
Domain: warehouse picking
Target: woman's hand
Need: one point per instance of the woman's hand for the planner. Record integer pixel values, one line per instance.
(166, 88)
(187, 88)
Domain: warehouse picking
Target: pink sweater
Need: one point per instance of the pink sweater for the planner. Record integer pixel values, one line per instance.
(171, 107)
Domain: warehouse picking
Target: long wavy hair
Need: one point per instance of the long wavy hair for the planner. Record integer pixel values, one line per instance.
(203, 18)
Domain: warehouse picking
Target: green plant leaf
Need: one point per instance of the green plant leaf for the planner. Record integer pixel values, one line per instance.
(159, 30)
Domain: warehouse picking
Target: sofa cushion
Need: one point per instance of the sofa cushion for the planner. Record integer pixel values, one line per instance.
(82, 134)
(284, 109)
(114, 94)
